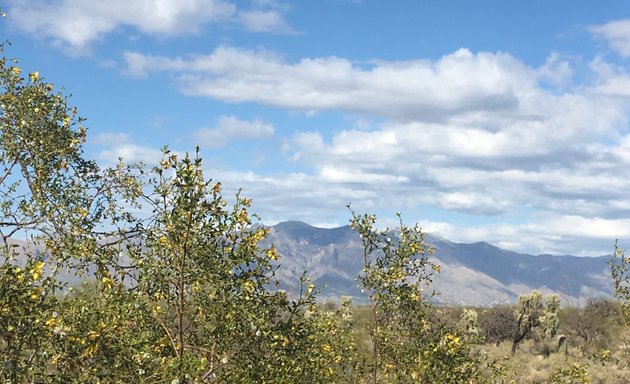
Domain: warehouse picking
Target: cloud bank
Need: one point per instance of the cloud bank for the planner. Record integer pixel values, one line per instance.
(476, 133)
(76, 24)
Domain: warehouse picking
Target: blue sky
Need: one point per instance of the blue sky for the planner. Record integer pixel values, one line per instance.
(498, 121)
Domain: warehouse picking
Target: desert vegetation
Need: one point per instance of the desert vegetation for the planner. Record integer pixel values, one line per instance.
(177, 289)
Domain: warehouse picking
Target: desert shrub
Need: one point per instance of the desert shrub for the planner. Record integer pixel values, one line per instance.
(405, 345)
(592, 327)
(621, 279)
(575, 374)
(497, 324)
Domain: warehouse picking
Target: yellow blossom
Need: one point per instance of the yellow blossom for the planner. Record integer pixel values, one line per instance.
(249, 286)
(36, 272)
(93, 335)
(107, 282)
(162, 241)
(36, 294)
(52, 322)
(19, 275)
(272, 253)
(243, 217)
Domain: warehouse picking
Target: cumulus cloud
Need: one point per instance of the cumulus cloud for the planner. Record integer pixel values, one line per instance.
(264, 21)
(617, 33)
(612, 80)
(115, 146)
(479, 134)
(231, 128)
(567, 207)
(76, 24)
(410, 89)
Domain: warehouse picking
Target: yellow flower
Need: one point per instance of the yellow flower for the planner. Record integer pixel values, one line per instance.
(36, 272)
(162, 241)
(272, 253)
(108, 283)
(54, 323)
(249, 286)
(93, 335)
(33, 76)
(19, 275)
(37, 292)
(243, 217)
(55, 358)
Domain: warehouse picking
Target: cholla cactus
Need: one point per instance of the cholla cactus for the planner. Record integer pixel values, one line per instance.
(533, 314)
(468, 322)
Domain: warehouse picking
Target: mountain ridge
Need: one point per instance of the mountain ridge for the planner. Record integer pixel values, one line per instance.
(472, 273)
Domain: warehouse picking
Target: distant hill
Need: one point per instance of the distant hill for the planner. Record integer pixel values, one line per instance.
(472, 274)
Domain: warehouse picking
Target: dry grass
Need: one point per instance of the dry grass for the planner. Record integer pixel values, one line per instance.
(612, 367)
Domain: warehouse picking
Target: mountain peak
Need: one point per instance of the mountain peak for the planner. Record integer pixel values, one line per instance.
(291, 224)
(473, 273)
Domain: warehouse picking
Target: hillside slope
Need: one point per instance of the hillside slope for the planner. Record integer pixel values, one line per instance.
(472, 274)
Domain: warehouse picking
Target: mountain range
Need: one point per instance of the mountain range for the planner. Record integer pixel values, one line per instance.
(476, 274)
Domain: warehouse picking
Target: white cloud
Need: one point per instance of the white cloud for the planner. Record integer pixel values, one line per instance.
(556, 70)
(332, 173)
(120, 146)
(479, 131)
(76, 24)
(617, 33)
(481, 134)
(321, 196)
(410, 89)
(613, 81)
(263, 21)
(231, 128)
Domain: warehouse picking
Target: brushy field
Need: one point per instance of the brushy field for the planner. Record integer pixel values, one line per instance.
(526, 366)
